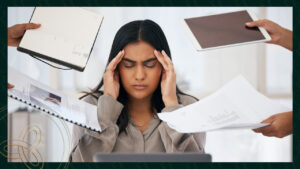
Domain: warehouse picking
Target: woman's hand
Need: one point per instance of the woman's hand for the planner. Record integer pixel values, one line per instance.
(10, 86)
(16, 32)
(279, 35)
(281, 125)
(168, 79)
(111, 77)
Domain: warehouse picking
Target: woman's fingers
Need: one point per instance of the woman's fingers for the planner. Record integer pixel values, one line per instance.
(164, 59)
(266, 129)
(113, 64)
(111, 77)
(31, 26)
(263, 129)
(161, 59)
(9, 86)
(167, 59)
(256, 23)
(269, 119)
(116, 76)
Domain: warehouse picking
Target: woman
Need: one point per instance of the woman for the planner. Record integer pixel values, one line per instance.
(139, 82)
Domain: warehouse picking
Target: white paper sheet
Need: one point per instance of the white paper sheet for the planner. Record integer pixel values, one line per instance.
(236, 105)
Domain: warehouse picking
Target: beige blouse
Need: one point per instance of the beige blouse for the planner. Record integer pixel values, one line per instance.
(158, 137)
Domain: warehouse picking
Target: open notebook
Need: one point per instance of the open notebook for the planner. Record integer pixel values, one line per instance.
(66, 36)
(51, 101)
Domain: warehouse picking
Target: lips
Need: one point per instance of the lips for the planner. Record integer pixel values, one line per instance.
(139, 86)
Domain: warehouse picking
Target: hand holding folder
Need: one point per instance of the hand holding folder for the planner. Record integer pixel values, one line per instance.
(16, 32)
(66, 37)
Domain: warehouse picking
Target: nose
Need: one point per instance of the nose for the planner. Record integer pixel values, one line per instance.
(140, 73)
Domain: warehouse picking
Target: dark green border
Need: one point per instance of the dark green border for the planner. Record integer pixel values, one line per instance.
(258, 3)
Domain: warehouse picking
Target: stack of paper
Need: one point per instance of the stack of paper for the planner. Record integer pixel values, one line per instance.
(236, 105)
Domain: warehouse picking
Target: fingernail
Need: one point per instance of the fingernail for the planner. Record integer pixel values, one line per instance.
(248, 23)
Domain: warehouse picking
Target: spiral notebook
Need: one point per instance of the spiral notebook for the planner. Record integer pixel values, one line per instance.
(51, 101)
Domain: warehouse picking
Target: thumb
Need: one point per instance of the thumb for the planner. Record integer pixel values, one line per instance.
(256, 23)
(268, 120)
(32, 26)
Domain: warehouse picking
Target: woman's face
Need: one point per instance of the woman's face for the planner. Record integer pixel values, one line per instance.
(139, 70)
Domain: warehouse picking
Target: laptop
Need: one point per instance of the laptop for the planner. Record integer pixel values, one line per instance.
(152, 157)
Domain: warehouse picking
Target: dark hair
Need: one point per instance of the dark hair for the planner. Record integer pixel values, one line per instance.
(135, 31)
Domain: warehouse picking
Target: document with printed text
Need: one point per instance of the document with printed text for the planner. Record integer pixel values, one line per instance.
(236, 105)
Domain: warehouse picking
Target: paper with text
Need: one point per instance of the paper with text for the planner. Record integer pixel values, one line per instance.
(234, 106)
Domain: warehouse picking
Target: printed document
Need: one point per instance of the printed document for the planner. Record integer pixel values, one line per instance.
(236, 105)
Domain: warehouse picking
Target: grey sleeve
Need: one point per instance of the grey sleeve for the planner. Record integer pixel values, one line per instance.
(86, 142)
(181, 142)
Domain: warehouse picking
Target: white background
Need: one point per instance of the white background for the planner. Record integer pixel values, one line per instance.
(267, 67)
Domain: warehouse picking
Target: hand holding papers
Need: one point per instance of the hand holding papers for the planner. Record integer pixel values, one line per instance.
(236, 105)
(52, 101)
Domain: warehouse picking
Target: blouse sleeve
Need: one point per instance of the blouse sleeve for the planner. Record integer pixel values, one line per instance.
(181, 142)
(86, 142)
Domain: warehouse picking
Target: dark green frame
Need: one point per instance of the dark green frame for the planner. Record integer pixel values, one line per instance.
(255, 3)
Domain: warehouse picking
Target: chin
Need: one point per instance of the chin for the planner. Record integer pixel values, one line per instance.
(139, 94)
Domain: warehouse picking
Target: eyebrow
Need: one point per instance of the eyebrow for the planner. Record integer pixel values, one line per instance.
(129, 60)
(149, 60)
(132, 61)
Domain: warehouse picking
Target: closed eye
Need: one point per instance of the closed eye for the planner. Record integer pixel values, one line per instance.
(150, 64)
(128, 63)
